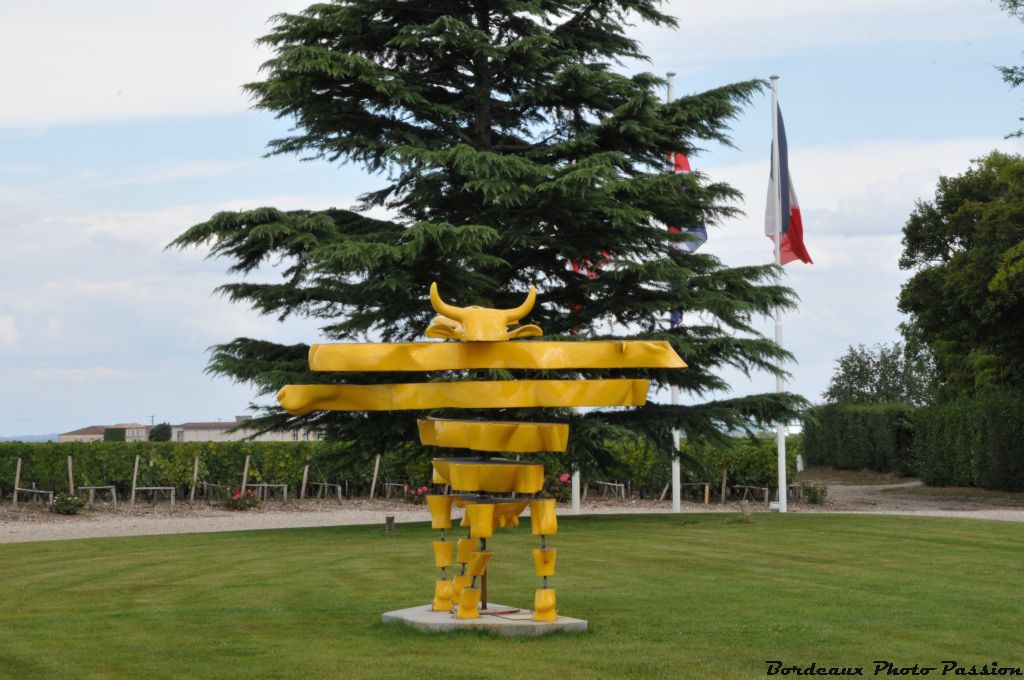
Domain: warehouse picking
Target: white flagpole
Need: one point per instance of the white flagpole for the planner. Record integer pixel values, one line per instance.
(676, 472)
(780, 432)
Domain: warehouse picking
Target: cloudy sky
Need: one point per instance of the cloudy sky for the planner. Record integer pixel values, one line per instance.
(123, 123)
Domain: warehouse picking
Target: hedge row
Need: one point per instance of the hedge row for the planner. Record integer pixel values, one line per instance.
(171, 464)
(972, 442)
(979, 442)
(875, 438)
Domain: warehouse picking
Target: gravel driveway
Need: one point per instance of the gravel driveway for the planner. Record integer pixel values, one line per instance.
(35, 523)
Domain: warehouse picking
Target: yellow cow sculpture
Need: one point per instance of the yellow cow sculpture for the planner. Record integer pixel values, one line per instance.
(478, 324)
(492, 491)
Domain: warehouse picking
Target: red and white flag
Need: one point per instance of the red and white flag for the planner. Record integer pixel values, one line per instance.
(792, 228)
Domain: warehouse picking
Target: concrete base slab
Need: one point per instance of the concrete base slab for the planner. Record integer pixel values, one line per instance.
(498, 619)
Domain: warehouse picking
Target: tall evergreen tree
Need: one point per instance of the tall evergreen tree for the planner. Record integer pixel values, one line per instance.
(509, 147)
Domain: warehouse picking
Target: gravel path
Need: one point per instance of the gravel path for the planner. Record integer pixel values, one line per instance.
(885, 499)
(37, 524)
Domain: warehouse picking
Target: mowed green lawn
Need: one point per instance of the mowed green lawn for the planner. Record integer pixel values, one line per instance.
(691, 596)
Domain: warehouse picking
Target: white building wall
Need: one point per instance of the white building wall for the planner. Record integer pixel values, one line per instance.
(80, 438)
(179, 434)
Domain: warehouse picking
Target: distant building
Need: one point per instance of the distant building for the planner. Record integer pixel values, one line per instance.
(133, 432)
(93, 433)
(218, 432)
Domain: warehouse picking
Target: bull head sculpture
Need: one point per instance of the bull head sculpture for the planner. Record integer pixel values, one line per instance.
(479, 324)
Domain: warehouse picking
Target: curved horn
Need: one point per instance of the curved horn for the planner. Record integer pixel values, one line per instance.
(442, 307)
(523, 309)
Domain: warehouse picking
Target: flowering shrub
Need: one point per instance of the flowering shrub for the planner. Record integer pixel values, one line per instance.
(66, 504)
(242, 501)
(419, 495)
(559, 487)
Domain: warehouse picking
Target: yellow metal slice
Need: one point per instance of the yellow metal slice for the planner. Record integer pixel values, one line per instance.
(442, 554)
(299, 400)
(507, 514)
(469, 601)
(481, 520)
(440, 511)
(464, 551)
(544, 605)
(543, 520)
(493, 435)
(544, 561)
(491, 477)
(478, 564)
(450, 356)
(442, 596)
(459, 582)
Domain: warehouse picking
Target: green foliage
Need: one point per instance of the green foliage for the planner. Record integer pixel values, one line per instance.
(877, 437)
(814, 493)
(973, 442)
(508, 145)
(639, 463)
(66, 504)
(170, 463)
(750, 461)
(969, 442)
(114, 434)
(966, 298)
(161, 432)
(881, 374)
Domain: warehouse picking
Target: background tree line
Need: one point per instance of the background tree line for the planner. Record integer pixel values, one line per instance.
(948, 403)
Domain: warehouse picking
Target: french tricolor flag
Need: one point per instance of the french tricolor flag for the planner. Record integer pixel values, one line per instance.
(792, 228)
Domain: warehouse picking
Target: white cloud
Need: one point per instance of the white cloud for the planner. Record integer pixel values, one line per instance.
(737, 30)
(174, 172)
(863, 187)
(115, 59)
(53, 328)
(90, 375)
(120, 324)
(119, 59)
(855, 200)
(8, 333)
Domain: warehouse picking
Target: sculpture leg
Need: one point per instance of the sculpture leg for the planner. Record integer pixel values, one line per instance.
(544, 605)
(442, 596)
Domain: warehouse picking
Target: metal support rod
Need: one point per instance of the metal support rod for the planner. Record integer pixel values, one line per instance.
(676, 467)
(780, 431)
(483, 578)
